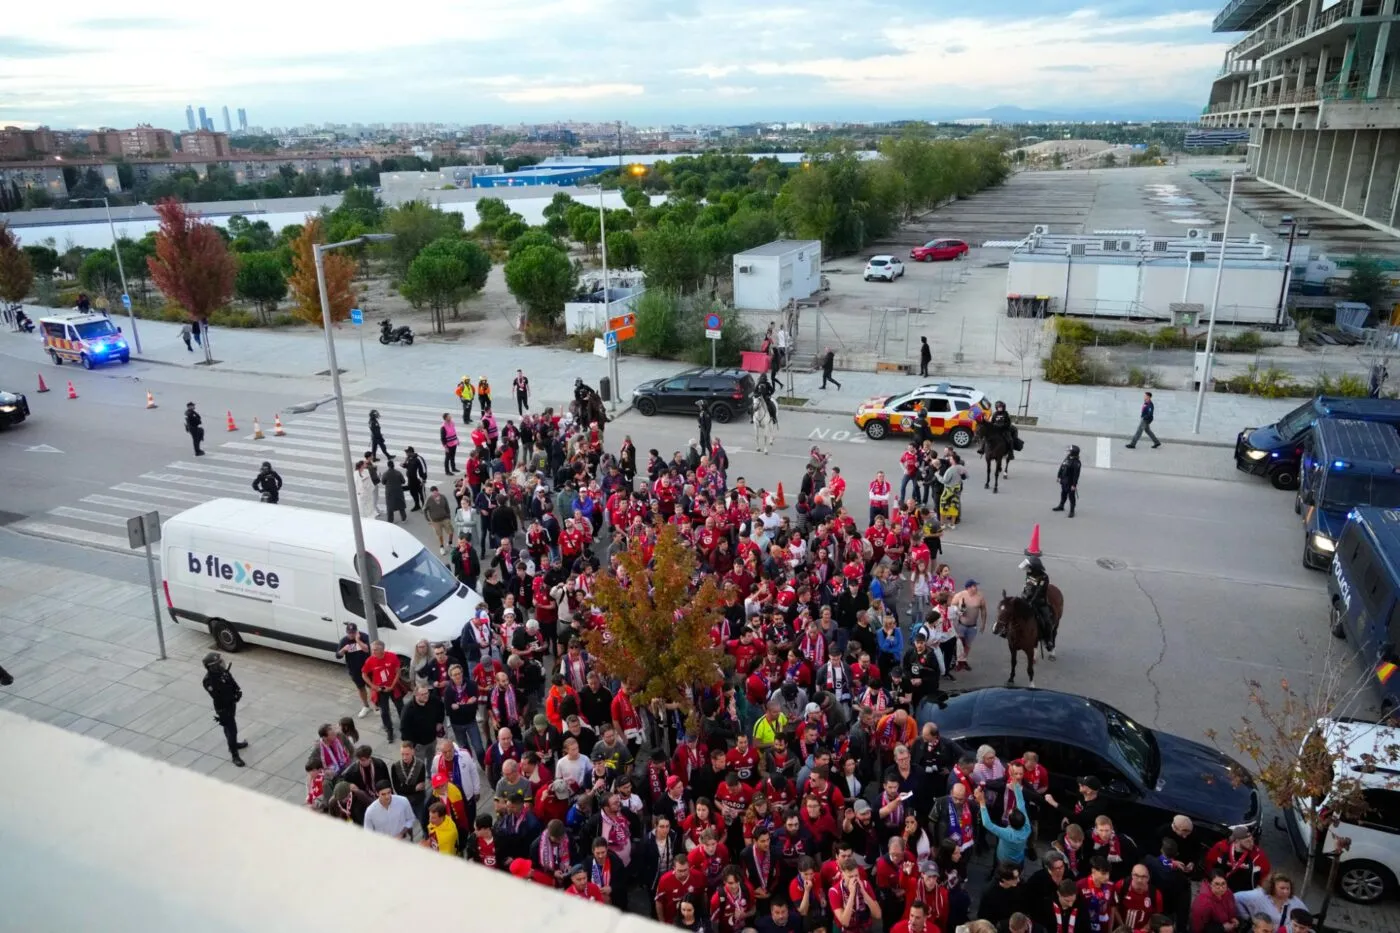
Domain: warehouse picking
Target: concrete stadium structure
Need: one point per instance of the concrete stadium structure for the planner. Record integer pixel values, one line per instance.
(1316, 84)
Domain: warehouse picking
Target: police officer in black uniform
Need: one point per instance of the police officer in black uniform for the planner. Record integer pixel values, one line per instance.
(705, 422)
(269, 483)
(764, 390)
(194, 427)
(225, 693)
(1068, 475)
(1037, 593)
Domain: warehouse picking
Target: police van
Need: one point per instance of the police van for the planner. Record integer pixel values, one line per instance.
(1364, 592)
(1346, 464)
(90, 339)
(1276, 450)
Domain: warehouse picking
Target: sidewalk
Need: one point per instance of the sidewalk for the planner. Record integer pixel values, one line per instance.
(1097, 410)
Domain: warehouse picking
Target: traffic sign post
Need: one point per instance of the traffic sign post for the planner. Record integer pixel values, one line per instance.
(126, 302)
(357, 317)
(143, 531)
(610, 340)
(713, 332)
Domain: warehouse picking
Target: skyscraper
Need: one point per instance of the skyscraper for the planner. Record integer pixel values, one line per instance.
(203, 119)
(228, 124)
(242, 120)
(189, 117)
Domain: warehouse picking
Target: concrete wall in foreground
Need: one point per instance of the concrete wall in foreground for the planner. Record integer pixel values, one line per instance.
(94, 837)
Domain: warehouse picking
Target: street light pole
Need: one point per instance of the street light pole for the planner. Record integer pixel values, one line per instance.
(361, 558)
(1214, 306)
(121, 272)
(607, 295)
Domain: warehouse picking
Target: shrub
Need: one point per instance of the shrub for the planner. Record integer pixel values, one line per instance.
(1144, 378)
(1065, 364)
(235, 318)
(1069, 330)
(583, 340)
(736, 337)
(658, 325)
(1248, 341)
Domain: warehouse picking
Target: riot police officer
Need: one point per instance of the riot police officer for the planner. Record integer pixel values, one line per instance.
(269, 483)
(225, 693)
(1037, 593)
(704, 422)
(1068, 475)
(764, 391)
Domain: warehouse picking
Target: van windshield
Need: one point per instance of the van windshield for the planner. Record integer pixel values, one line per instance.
(417, 586)
(94, 329)
(1296, 421)
(1344, 490)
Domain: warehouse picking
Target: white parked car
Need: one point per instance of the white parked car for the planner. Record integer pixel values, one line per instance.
(1368, 754)
(888, 268)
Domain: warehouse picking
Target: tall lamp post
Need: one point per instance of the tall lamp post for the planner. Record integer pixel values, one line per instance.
(361, 561)
(116, 249)
(607, 295)
(1214, 305)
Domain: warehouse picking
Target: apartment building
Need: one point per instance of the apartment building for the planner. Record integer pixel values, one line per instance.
(1315, 83)
(204, 144)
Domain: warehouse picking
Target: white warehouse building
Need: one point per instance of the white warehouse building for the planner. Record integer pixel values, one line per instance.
(1130, 274)
(768, 277)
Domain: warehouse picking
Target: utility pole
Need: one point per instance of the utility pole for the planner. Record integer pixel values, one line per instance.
(1287, 272)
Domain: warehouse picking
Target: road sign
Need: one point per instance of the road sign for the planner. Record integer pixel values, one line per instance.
(712, 334)
(624, 325)
(357, 317)
(142, 530)
(126, 301)
(376, 570)
(713, 322)
(610, 339)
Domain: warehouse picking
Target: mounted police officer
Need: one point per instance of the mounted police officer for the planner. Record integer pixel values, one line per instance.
(999, 424)
(225, 693)
(764, 391)
(1037, 588)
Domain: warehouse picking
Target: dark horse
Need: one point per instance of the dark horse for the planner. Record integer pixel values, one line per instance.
(996, 448)
(1016, 620)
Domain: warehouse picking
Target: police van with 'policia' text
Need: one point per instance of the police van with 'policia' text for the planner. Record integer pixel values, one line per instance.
(1364, 591)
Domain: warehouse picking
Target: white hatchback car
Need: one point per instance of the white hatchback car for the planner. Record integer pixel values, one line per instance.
(1369, 754)
(888, 268)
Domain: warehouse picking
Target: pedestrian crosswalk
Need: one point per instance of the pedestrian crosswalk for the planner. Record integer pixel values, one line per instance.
(308, 457)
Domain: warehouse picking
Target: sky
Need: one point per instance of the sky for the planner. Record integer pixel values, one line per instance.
(664, 62)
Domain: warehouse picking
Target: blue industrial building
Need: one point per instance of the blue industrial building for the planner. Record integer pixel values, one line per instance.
(540, 176)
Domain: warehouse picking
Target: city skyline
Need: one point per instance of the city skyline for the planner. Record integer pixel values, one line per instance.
(855, 60)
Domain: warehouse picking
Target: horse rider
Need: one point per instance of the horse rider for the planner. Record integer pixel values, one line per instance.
(764, 390)
(1037, 593)
(999, 424)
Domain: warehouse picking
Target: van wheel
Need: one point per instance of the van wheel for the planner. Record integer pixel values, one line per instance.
(57, 360)
(225, 637)
(1284, 477)
(1298, 503)
(1363, 882)
(1336, 620)
(86, 361)
(876, 430)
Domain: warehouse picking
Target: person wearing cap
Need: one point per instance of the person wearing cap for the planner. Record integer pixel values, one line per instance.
(1090, 805)
(354, 648)
(348, 803)
(1300, 920)
(581, 886)
(1243, 861)
(924, 891)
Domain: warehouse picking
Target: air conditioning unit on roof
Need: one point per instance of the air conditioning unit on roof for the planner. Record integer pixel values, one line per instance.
(1195, 233)
(1041, 229)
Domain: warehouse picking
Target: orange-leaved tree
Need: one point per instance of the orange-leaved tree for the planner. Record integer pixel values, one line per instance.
(340, 277)
(657, 636)
(16, 273)
(192, 265)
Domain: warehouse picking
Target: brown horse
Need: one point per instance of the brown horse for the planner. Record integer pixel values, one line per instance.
(1016, 621)
(995, 449)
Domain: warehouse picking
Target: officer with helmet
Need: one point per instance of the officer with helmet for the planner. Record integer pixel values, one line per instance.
(1068, 475)
(226, 694)
(269, 483)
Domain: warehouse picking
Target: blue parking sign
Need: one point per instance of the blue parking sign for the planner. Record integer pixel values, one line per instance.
(357, 317)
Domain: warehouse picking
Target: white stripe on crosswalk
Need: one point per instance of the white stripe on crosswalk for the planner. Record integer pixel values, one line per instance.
(284, 468)
(225, 488)
(134, 507)
(315, 455)
(327, 468)
(179, 495)
(86, 515)
(72, 535)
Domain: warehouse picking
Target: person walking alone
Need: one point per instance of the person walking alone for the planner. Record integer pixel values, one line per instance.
(521, 384)
(194, 427)
(925, 356)
(1068, 475)
(187, 335)
(829, 364)
(415, 470)
(225, 693)
(393, 482)
(1149, 411)
(376, 434)
(449, 445)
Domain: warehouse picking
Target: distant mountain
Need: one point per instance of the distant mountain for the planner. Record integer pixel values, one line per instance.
(1142, 110)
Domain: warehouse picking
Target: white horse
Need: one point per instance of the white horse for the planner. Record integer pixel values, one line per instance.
(765, 429)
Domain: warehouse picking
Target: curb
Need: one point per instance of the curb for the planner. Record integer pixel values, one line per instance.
(1188, 442)
(220, 368)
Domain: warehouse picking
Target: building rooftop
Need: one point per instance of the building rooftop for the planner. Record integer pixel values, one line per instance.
(1118, 245)
(1242, 15)
(550, 172)
(779, 248)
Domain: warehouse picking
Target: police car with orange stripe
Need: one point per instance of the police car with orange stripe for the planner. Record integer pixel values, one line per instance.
(90, 339)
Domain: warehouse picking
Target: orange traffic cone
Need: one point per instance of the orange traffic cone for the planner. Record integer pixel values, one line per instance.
(257, 430)
(277, 425)
(150, 400)
(72, 392)
(43, 387)
(231, 425)
(782, 502)
(1034, 549)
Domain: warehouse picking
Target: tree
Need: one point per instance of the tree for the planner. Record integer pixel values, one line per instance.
(716, 252)
(250, 237)
(414, 225)
(99, 272)
(444, 274)
(42, 259)
(558, 205)
(261, 280)
(16, 272)
(339, 272)
(511, 229)
(1023, 340)
(1297, 765)
(192, 264)
(535, 236)
(134, 254)
(362, 204)
(657, 634)
(542, 279)
(623, 252)
(1368, 282)
(584, 226)
(1108, 160)
(672, 259)
(635, 197)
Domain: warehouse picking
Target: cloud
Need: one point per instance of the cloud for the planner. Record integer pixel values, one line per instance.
(550, 93)
(16, 47)
(127, 23)
(1069, 69)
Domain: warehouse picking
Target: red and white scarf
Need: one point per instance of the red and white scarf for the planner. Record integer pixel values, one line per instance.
(960, 824)
(616, 832)
(1115, 851)
(554, 855)
(896, 816)
(334, 757)
(1071, 855)
(1060, 925)
(503, 701)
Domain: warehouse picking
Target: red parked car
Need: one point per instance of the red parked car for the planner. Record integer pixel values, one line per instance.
(937, 250)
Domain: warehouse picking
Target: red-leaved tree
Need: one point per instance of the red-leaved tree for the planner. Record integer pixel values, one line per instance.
(192, 265)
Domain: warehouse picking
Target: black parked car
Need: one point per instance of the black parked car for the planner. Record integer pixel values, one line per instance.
(729, 392)
(14, 408)
(1148, 776)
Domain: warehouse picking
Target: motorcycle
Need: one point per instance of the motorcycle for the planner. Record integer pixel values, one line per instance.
(388, 334)
(23, 323)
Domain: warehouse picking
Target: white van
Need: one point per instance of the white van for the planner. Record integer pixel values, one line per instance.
(284, 577)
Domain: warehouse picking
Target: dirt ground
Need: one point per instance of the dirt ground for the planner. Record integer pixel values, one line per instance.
(488, 317)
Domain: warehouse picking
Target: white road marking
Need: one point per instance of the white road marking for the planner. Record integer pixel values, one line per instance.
(73, 535)
(1103, 453)
(84, 515)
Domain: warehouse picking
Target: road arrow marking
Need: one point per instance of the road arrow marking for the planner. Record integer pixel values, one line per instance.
(43, 449)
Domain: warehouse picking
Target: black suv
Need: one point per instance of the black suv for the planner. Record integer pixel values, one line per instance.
(727, 391)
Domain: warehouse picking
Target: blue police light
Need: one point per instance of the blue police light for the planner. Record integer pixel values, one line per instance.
(1274, 454)
(1340, 464)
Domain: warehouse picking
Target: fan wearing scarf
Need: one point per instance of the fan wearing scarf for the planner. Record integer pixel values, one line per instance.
(955, 820)
(552, 854)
